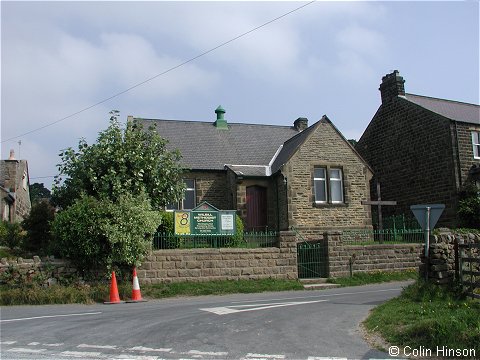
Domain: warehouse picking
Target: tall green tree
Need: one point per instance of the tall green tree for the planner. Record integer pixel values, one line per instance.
(123, 160)
(38, 193)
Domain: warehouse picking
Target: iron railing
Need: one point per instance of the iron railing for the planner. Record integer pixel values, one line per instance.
(387, 236)
(245, 240)
(397, 222)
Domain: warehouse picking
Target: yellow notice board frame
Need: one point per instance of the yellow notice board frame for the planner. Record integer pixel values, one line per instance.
(182, 222)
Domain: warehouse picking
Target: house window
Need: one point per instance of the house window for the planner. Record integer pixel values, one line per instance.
(476, 144)
(189, 197)
(328, 185)
(320, 185)
(336, 186)
(24, 180)
(6, 212)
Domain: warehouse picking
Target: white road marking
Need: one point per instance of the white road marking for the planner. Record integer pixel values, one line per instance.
(7, 342)
(58, 344)
(322, 295)
(208, 353)
(264, 356)
(135, 357)
(51, 316)
(254, 307)
(141, 348)
(25, 350)
(112, 347)
(33, 344)
(325, 358)
(82, 354)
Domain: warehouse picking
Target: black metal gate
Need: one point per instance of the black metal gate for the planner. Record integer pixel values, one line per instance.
(312, 259)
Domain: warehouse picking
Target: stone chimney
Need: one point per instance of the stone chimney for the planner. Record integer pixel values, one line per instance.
(220, 123)
(12, 155)
(391, 87)
(300, 124)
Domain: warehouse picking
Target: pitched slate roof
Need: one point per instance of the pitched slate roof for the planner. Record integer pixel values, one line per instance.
(205, 147)
(457, 111)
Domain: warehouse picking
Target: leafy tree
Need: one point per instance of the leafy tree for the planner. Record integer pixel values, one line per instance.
(123, 160)
(39, 192)
(93, 233)
(38, 228)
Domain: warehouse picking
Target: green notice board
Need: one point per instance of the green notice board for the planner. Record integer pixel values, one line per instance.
(205, 219)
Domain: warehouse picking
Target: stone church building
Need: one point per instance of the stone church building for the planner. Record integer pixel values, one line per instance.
(275, 177)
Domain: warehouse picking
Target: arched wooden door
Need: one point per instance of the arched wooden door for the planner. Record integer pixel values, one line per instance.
(256, 208)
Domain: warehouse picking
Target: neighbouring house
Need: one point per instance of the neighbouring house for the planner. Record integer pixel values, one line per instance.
(309, 177)
(14, 189)
(422, 149)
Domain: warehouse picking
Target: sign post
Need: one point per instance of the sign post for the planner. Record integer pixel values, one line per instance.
(427, 216)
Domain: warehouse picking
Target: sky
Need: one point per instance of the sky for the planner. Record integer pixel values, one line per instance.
(59, 58)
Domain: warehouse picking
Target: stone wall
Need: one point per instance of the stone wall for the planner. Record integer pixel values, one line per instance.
(326, 147)
(222, 264)
(369, 258)
(50, 268)
(211, 186)
(443, 267)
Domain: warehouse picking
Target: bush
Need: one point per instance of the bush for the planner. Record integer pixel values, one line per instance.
(469, 207)
(38, 228)
(99, 233)
(11, 234)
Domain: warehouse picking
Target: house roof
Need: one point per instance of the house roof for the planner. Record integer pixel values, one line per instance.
(454, 110)
(290, 147)
(205, 147)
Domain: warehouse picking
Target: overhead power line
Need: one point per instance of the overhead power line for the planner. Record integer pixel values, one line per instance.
(158, 75)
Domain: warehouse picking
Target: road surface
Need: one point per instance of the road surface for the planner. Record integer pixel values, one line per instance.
(309, 325)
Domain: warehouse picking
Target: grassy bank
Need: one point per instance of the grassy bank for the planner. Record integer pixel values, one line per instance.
(429, 316)
(89, 294)
(375, 277)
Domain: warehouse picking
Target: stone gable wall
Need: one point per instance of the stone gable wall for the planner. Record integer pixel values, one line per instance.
(325, 147)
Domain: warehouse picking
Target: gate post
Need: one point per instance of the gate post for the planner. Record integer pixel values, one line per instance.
(287, 243)
(334, 244)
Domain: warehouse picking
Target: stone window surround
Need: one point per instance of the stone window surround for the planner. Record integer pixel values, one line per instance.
(328, 203)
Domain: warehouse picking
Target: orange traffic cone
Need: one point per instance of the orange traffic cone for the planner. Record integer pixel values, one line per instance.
(114, 297)
(136, 295)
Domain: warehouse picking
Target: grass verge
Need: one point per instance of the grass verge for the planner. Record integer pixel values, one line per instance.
(89, 294)
(426, 316)
(375, 277)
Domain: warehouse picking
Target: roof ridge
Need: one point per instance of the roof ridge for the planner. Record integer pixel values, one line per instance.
(211, 122)
(440, 99)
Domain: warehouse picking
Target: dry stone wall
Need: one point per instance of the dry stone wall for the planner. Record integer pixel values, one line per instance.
(442, 265)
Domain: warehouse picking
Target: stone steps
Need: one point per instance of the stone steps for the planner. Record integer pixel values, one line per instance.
(317, 284)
